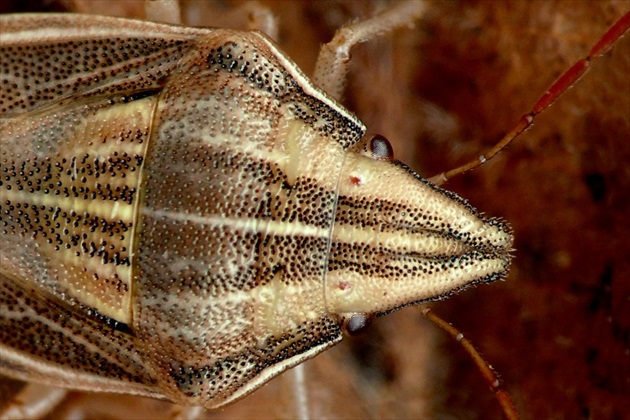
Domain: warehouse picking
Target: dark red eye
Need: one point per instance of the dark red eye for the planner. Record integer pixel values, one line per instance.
(357, 323)
(381, 148)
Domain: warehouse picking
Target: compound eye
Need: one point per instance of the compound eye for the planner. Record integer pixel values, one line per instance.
(381, 148)
(357, 323)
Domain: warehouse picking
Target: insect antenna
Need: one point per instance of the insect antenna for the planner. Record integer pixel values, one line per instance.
(555, 91)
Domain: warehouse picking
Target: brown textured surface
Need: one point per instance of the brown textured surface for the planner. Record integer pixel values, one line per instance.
(558, 328)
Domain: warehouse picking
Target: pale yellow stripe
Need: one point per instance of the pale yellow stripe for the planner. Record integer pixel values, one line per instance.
(306, 84)
(399, 241)
(52, 374)
(98, 296)
(94, 348)
(297, 150)
(250, 225)
(113, 211)
(276, 304)
(82, 27)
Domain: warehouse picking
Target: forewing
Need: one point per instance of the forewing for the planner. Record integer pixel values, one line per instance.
(76, 104)
(50, 58)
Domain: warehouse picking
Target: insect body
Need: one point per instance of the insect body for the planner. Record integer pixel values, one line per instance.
(185, 216)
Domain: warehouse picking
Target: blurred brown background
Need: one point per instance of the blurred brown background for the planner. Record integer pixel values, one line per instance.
(558, 329)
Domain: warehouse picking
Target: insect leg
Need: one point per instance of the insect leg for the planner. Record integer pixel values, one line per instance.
(332, 62)
(486, 370)
(257, 17)
(166, 11)
(31, 401)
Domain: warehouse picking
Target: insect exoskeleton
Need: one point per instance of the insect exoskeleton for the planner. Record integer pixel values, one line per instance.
(186, 216)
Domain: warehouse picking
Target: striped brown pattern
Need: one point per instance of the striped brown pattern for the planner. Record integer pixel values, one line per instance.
(205, 216)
